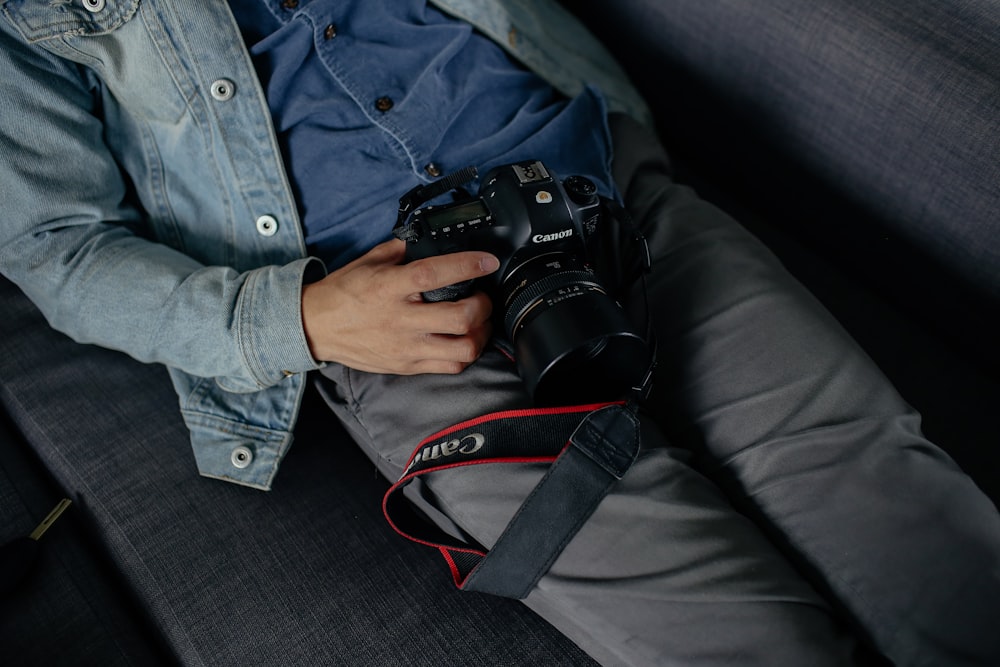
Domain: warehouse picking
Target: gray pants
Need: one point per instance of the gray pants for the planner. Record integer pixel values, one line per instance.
(785, 501)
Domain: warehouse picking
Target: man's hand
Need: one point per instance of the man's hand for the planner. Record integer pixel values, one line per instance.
(369, 315)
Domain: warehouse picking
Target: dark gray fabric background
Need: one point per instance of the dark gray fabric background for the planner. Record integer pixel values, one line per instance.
(869, 130)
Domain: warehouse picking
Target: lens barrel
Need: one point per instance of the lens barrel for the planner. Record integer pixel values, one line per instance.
(572, 341)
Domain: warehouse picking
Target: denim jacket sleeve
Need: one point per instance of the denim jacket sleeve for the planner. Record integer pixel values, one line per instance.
(102, 267)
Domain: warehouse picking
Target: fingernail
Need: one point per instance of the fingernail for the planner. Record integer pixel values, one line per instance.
(489, 264)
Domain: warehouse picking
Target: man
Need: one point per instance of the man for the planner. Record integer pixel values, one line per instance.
(211, 186)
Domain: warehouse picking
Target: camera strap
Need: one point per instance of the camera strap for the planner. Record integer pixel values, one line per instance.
(423, 193)
(616, 241)
(589, 447)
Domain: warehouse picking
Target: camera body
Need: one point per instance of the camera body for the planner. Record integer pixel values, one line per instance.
(522, 212)
(571, 339)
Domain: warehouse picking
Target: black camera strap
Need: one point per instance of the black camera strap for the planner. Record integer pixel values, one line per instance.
(623, 240)
(589, 447)
(423, 193)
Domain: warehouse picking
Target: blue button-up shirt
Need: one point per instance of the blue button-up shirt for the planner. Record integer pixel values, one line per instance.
(370, 97)
(147, 207)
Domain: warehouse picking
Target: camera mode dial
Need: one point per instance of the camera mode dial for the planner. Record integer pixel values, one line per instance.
(581, 190)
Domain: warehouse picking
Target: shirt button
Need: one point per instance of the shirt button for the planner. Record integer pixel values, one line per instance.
(290, 4)
(223, 89)
(383, 104)
(93, 6)
(432, 169)
(330, 32)
(267, 225)
(241, 457)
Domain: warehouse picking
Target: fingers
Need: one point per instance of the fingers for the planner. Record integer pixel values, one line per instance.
(440, 353)
(443, 337)
(433, 273)
(428, 353)
(456, 318)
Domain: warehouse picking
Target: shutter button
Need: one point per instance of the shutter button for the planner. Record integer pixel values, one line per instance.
(93, 6)
(222, 89)
(241, 457)
(267, 225)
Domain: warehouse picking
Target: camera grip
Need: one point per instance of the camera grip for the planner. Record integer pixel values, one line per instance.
(450, 292)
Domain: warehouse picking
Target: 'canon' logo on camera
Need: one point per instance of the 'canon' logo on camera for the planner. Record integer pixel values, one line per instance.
(543, 238)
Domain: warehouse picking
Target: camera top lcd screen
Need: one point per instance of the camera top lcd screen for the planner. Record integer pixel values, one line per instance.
(448, 218)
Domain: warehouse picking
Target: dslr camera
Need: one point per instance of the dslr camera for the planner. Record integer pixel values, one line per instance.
(570, 339)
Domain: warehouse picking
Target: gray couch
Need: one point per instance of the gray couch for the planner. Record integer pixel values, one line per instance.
(860, 140)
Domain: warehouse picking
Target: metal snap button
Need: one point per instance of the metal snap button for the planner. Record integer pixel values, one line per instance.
(432, 169)
(383, 104)
(330, 32)
(267, 225)
(241, 457)
(223, 89)
(94, 6)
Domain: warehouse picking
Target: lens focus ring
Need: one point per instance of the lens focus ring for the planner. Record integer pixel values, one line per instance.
(530, 297)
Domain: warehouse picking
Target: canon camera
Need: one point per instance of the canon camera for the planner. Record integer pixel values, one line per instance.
(571, 340)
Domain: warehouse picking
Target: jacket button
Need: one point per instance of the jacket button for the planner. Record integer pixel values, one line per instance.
(241, 457)
(383, 104)
(432, 169)
(223, 89)
(290, 4)
(330, 32)
(93, 6)
(267, 225)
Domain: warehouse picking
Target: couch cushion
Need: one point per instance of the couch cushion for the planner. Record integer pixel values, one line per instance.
(65, 603)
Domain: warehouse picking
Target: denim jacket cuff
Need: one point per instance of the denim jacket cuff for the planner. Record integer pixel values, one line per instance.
(269, 321)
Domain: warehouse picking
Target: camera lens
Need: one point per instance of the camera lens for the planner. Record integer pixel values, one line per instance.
(572, 341)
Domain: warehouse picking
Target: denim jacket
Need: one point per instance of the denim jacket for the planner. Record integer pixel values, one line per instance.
(147, 209)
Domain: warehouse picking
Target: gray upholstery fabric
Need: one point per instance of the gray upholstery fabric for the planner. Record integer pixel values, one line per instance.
(306, 574)
(870, 131)
(896, 103)
(66, 610)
